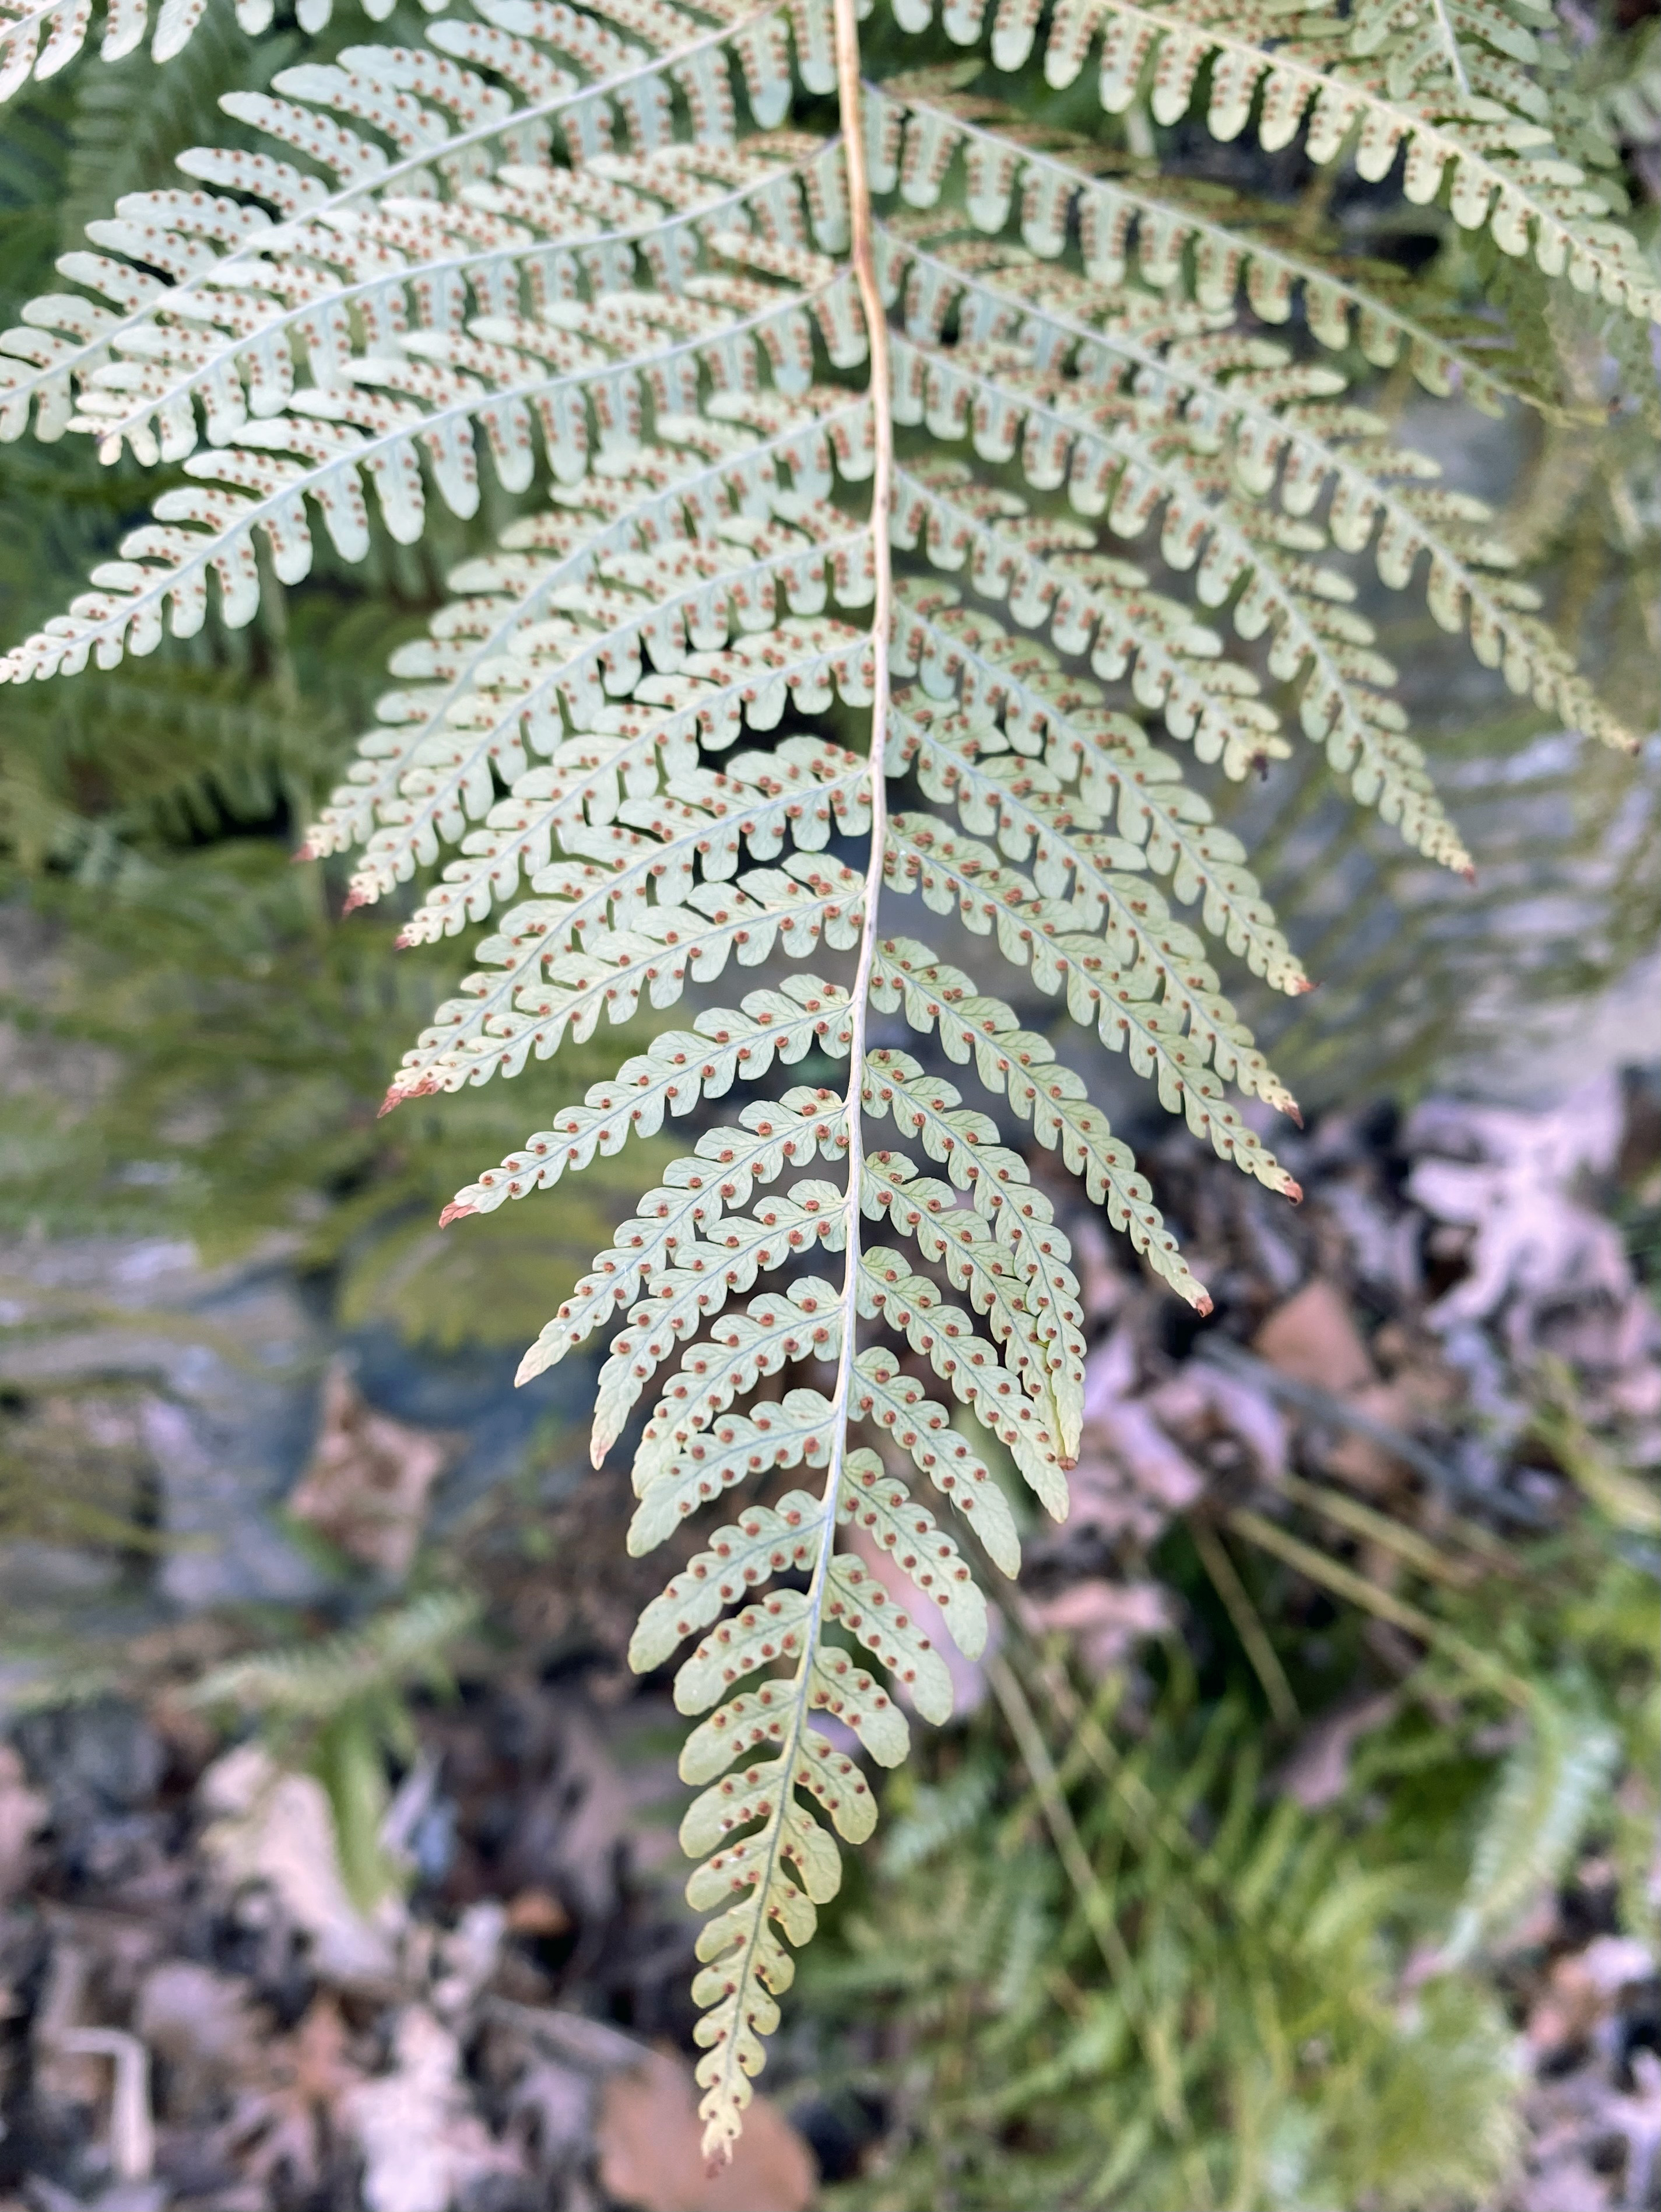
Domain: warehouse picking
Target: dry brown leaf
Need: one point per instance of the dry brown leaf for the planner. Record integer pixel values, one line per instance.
(552, 2109)
(1567, 2185)
(61, 2075)
(369, 1478)
(652, 2159)
(1200, 1401)
(574, 1831)
(1510, 1177)
(1567, 2008)
(1317, 1772)
(281, 2127)
(1313, 1338)
(536, 1913)
(1361, 1461)
(1106, 1618)
(1130, 1478)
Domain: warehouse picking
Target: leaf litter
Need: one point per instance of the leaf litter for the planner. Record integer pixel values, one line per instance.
(199, 2014)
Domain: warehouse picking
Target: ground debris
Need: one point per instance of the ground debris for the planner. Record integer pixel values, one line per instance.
(190, 1989)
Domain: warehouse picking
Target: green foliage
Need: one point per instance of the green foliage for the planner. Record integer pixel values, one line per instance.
(339, 1707)
(1552, 1786)
(1254, 2048)
(1208, 1995)
(375, 1663)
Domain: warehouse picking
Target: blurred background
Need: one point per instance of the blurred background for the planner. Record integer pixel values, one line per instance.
(1298, 1846)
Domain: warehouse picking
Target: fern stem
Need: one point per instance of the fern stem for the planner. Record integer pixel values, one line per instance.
(863, 259)
(718, 2137)
(877, 332)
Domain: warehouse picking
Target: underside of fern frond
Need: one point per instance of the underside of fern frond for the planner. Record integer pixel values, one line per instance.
(833, 456)
(39, 37)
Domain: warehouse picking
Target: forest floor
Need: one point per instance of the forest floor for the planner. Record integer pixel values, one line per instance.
(196, 2014)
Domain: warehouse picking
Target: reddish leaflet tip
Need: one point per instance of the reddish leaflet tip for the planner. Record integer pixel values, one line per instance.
(1295, 1191)
(403, 941)
(1203, 1303)
(1305, 984)
(394, 1098)
(354, 899)
(455, 1212)
(1294, 1112)
(1469, 873)
(302, 852)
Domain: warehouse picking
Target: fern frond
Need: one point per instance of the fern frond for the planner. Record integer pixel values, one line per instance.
(405, 1646)
(1163, 1014)
(993, 1390)
(391, 231)
(1080, 874)
(797, 1429)
(1103, 606)
(39, 37)
(965, 1144)
(1132, 473)
(800, 1322)
(973, 1025)
(656, 951)
(1547, 1793)
(1630, 106)
(1199, 242)
(1295, 73)
(718, 1177)
(323, 451)
(1064, 720)
(892, 1520)
(1280, 432)
(700, 498)
(922, 1426)
(809, 659)
(680, 1068)
(629, 749)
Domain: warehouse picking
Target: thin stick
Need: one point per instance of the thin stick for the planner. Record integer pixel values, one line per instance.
(1248, 1626)
(1359, 1591)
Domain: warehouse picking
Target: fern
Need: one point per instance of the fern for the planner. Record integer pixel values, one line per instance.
(40, 38)
(404, 1645)
(1552, 1784)
(765, 435)
(1466, 113)
(341, 1706)
(1252, 2047)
